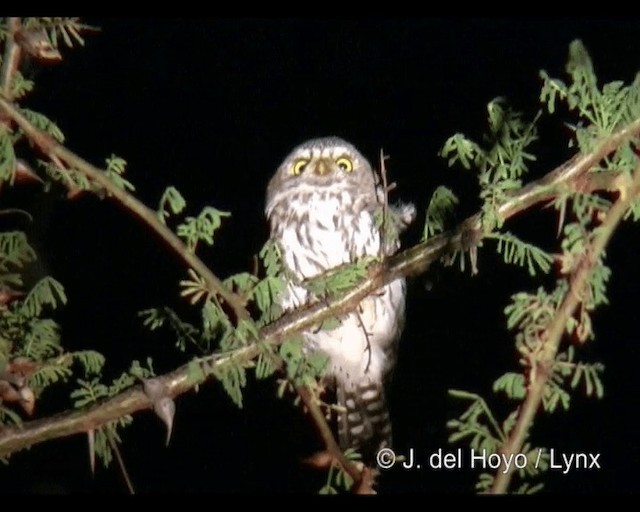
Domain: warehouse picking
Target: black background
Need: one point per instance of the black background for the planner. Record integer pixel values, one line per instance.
(212, 107)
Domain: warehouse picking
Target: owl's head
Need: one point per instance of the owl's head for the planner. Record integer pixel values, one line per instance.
(329, 162)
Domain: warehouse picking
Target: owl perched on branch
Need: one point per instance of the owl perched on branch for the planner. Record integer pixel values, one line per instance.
(325, 205)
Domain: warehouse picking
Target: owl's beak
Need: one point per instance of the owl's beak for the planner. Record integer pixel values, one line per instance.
(323, 167)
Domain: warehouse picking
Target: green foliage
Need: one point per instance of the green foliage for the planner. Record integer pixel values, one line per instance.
(501, 165)
(233, 378)
(66, 177)
(478, 426)
(142, 372)
(241, 284)
(265, 295)
(512, 384)
(20, 86)
(246, 332)
(46, 292)
(115, 170)
(108, 437)
(90, 360)
(186, 333)
(302, 368)
(15, 253)
(201, 228)
(477, 423)
(442, 203)
(338, 478)
(579, 373)
(534, 316)
(7, 155)
(43, 123)
(24, 333)
(217, 329)
(587, 208)
(337, 281)
(7, 416)
(520, 253)
(216, 325)
(634, 211)
(605, 109)
(271, 258)
(266, 364)
(171, 203)
(88, 392)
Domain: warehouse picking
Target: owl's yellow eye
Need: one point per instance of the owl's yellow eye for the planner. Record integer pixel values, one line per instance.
(345, 164)
(299, 166)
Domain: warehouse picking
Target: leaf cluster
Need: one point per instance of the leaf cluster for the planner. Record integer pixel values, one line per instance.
(602, 111)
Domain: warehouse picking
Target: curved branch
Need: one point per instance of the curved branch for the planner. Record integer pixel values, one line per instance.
(53, 150)
(411, 262)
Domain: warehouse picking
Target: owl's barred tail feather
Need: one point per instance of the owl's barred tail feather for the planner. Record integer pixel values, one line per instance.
(365, 423)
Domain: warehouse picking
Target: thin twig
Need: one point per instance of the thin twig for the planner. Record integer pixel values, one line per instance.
(123, 469)
(385, 207)
(327, 435)
(73, 188)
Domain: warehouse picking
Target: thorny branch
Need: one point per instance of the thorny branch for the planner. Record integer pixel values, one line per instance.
(554, 333)
(56, 151)
(570, 176)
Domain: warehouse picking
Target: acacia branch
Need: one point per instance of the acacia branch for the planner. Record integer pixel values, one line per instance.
(54, 150)
(555, 332)
(327, 436)
(570, 176)
(11, 58)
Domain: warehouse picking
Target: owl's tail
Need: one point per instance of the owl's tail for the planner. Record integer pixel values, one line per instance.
(365, 423)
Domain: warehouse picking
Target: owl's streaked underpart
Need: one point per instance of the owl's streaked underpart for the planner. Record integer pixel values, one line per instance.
(324, 205)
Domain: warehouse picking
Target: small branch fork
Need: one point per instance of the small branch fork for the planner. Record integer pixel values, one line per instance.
(555, 332)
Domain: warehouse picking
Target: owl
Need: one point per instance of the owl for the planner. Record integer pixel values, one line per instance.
(324, 206)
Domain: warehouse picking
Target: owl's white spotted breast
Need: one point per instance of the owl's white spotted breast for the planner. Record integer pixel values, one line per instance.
(323, 229)
(330, 234)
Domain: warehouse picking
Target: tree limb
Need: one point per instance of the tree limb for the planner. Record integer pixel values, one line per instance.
(54, 150)
(555, 332)
(410, 262)
(327, 435)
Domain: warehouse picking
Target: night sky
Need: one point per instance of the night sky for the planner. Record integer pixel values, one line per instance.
(212, 107)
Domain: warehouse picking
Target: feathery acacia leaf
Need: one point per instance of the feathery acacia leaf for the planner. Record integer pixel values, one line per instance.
(442, 203)
(171, 203)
